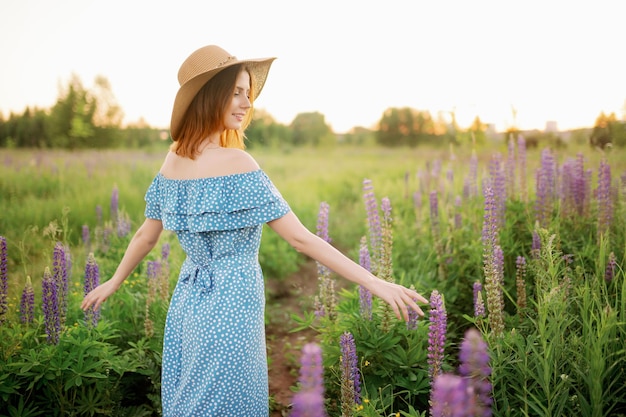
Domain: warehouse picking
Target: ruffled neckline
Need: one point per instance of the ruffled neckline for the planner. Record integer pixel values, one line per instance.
(215, 177)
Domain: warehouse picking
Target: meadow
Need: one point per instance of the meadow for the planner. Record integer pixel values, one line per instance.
(526, 246)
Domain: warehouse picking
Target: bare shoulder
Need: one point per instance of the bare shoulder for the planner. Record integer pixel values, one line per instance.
(239, 160)
(210, 163)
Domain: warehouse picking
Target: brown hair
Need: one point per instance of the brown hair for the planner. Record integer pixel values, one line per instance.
(205, 114)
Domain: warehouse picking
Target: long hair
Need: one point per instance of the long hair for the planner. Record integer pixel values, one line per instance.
(205, 114)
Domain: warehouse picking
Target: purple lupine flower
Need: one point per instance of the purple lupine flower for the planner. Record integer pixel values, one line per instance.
(85, 235)
(326, 302)
(574, 189)
(106, 236)
(27, 302)
(434, 208)
(309, 400)
(458, 223)
(322, 232)
(153, 271)
(60, 275)
(466, 188)
(581, 186)
(521, 163)
(165, 251)
(566, 188)
(123, 224)
(546, 188)
(536, 245)
(520, 281)
(604, 198)
(365, 296)
(498, 185)
(474, 367)
(373, 221)
(4, 278)
(479, 305)
(494, 280)
(436, 334)
(350, 376)
(449, 396)
(114, 204)
(92, 280)
(165, 271)
(490, 236)
(50, 304)
(609, 272)
(385, 267)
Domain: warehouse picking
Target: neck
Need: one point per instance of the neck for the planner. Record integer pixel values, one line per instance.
(210, 143)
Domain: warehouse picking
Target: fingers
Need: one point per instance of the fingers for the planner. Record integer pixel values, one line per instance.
(409, 299)
(90, 300)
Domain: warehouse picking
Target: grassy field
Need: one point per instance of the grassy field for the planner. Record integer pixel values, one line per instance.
(438, 212)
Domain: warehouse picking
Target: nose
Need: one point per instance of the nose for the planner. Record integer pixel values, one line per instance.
(246, 103)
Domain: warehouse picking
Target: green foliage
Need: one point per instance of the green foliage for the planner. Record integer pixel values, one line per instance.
(608, 131)
(83, 375)
(311, 129)
(392, 363)
(564, 356)
(406, 127)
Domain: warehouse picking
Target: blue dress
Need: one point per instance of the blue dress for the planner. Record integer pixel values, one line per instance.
(214, 354)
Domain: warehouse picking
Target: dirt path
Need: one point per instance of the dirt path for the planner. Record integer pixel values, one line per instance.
(293, 295)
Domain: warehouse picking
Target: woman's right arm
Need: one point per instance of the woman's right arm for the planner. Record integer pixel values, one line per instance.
(144, 240)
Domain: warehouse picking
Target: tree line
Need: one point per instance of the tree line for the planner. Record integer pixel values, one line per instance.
(92, 118)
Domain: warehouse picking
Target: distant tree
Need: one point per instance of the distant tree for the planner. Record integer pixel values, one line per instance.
(265, 131)
(107, 112)
(406, 127)
(359, 136)
(311, 129)
(608, 130)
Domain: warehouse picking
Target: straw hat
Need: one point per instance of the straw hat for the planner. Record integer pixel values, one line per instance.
(200, 67)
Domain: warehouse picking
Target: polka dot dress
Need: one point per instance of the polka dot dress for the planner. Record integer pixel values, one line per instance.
(214, 354)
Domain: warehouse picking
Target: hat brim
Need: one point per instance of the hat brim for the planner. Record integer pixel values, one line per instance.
(186, 93)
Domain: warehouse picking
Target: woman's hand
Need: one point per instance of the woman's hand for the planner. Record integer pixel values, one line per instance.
(98, 295)
(398, 297)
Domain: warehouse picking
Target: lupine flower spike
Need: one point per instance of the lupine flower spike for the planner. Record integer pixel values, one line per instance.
(50, 305)
(27, 303)
(467, 394)
(325, 302)
(474, 367)
(479, 304)
(4, 283)
(436, 334)
(60, 275)
(92, 280)
(350, 376)
(365, 296)
(309, 401)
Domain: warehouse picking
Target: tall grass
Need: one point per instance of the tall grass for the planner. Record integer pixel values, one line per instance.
(562, 354)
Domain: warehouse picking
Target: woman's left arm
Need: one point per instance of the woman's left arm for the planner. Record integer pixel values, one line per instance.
(397, 296)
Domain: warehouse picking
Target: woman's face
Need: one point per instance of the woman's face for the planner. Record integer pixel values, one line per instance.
(239, 103)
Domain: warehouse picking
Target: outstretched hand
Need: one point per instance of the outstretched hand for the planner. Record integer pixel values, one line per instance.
(398, 297)
(98, 295)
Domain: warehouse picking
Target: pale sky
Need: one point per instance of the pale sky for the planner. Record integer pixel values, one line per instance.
(350, 60)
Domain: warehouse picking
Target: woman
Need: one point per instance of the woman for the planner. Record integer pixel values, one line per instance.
(216, 198)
